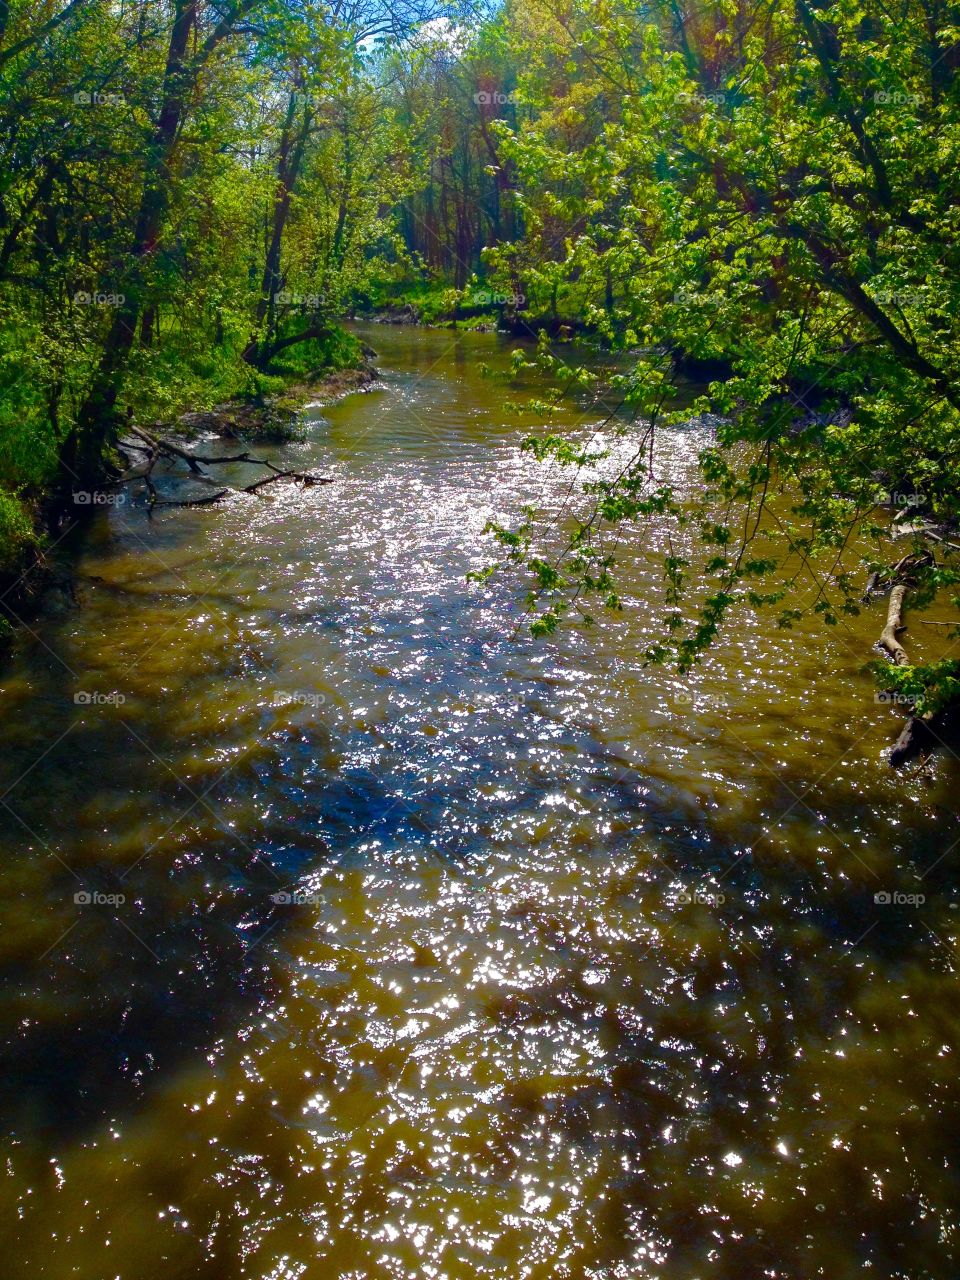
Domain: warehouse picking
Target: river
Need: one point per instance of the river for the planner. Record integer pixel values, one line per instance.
(347, 931)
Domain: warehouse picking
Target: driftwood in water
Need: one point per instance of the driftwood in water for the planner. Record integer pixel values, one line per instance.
(917, 737)
(157, 448)
(895, 624)
(920, 732)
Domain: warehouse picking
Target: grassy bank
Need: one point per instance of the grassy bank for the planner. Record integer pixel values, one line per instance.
(173, 385)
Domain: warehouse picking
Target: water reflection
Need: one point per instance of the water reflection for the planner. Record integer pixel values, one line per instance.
(443, 953)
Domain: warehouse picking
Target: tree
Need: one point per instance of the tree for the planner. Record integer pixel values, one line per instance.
(772, 193)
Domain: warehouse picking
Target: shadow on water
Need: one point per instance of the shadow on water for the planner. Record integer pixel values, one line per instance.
(751, 964)
(758, 981)
(104, 998)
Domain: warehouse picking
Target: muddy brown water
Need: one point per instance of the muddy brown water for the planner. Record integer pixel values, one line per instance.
(346, 933)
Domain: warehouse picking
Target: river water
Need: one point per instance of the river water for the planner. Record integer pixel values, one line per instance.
(347, 931)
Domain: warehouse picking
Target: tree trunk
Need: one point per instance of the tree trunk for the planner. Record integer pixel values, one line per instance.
(81, 456)
(289, 160)
(146, 326)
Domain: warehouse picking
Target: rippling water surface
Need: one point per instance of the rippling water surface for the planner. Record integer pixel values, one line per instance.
(407, 946)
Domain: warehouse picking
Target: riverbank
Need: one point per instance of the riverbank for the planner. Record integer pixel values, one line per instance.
(478, 308)
(35, 548)
(274, 419)
(477, 319)
(21, 558)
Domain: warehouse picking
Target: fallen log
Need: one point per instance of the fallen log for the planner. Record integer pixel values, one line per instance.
(895, 624)
(166, 446)
(157, 447)
(192, 502)
(917, 737)
(919, 733)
